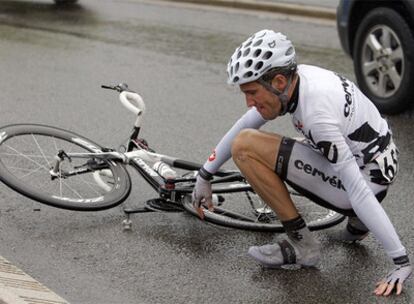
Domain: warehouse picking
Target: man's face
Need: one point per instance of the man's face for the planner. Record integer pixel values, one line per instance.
(266, 103)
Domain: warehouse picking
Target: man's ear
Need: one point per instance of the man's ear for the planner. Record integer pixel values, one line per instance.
(279, 82)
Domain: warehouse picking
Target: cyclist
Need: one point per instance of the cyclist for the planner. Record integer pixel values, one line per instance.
(346, 161)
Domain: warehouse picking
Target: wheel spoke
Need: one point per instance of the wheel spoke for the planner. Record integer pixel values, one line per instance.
(60, 183)
(386, 38)
(55, 144)
(374, 44)
(369, 67)
(41, 150)
(69, 187)
(381, 84)
(26, 157)
(89, 185)
(397, 54)
(394, 77)
(30, 173)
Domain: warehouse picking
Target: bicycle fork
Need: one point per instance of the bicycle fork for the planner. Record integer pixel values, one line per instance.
(55, 171)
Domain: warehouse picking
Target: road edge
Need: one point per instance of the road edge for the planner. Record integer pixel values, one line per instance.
(283, 8)
(17, 287)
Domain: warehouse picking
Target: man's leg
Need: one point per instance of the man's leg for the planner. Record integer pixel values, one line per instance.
(255, 153)
(354, 231)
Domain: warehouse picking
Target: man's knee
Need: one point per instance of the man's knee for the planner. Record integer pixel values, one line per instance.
(243, 144)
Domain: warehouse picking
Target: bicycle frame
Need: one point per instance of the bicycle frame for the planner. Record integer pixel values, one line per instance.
(167, 188)
(138, 155)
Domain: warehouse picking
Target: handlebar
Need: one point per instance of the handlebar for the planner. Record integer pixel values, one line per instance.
(120, 87)
(130, 100)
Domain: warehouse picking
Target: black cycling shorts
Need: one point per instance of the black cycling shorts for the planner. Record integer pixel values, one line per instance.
(312, 175)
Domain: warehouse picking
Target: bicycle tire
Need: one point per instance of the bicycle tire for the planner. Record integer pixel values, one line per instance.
(26, 155)
(266, 221)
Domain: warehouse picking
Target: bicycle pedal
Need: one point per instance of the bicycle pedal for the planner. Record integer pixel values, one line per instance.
(127, 224)
(265, 214)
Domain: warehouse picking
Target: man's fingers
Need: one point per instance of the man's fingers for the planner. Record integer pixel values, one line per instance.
(200, 212)
(399, 288)
(384, 289)
(209, 203)
(199, 206)
(381, 288)
(389, 289)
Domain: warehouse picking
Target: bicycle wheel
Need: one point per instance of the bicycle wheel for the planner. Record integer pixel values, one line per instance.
(27, 154)
(245, 210)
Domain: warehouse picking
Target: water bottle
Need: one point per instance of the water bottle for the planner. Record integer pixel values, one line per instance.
(164, 170)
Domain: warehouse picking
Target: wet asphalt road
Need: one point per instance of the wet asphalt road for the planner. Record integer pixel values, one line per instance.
(52, 63)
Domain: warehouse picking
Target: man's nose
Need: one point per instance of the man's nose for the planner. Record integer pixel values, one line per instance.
(250, 101)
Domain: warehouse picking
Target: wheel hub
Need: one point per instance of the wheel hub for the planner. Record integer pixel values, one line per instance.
(383, 61)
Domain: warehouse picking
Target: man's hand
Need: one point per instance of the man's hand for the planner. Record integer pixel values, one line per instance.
(202, 195)
(394, 279)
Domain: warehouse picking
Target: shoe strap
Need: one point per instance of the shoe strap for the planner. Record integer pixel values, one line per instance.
(288, 252)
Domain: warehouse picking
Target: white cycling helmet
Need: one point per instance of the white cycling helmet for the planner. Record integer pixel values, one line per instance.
(258, 54)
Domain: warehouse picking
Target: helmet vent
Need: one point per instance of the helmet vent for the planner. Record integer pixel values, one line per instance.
(257, 53)
(290, 51)
(259, 65)
(258, 42)
(246, 52)
(248, 74)
(248, 63)
(267, 55)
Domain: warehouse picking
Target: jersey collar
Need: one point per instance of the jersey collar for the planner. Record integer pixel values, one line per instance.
(293, 104)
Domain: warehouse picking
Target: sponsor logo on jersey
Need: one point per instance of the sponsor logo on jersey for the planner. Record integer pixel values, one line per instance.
(327, 148)
(334, 181)
(348, 96)
(212, 157)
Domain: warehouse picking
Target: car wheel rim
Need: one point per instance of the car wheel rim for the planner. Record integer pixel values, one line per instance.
(382, 61)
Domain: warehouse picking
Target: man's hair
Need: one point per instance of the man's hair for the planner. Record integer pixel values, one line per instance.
(286, 71)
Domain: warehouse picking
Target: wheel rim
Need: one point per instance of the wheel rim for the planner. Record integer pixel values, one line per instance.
(247, 211)
(382, 61)
(28, 158)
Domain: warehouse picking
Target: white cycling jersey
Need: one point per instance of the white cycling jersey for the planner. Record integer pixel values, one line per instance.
(340, 123)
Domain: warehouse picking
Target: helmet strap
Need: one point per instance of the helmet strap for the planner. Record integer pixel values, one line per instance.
(283, 96)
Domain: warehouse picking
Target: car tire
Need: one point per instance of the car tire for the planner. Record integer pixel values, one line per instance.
(394, 93)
